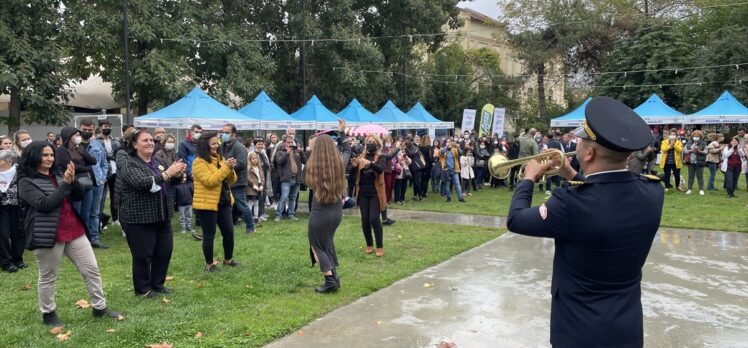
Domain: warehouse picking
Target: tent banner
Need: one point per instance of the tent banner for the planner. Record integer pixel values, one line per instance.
(486, 117)
(498, 121)
(468, 120)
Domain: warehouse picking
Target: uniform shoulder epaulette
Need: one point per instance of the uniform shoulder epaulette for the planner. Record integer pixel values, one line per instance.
(573, 183)
(651, 177)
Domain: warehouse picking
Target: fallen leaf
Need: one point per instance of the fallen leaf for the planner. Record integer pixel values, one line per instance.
(428, 285)
(200, 285)
(26, 287)
(120, 317)
(444, 344)
(159, 345)
(199, 334)
(64, 337)
(689, 237)
(111, 330)
(247, 334)
(169, 278)
(301, 333)
(83, 304)
(56, 330)
(399, 237)
(378, 322)
(166, 300)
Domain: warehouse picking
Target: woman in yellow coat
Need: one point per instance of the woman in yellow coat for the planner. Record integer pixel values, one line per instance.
(212, 200)
(671, 160)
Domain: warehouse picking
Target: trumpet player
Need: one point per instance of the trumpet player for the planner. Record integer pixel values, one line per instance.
(603, 229)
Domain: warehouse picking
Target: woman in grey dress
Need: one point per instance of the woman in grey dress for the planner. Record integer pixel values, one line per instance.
(325, 175)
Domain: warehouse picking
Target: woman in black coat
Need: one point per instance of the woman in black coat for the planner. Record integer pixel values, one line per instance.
(70, 151)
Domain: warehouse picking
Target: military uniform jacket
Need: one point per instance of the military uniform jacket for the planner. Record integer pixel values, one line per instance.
(603, 230)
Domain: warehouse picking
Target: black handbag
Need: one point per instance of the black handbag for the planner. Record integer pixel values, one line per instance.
(85, 181)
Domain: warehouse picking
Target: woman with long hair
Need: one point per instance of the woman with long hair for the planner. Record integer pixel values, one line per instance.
(325, 174)
(54, 228)
(425, 147)
(22, 138)
(713, 157)
(213, 176)
(369, 191)
(147, 188)
(733, 156)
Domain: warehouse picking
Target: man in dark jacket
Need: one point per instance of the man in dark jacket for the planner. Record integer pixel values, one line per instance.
(570, 146)
(552, 143)
(289, 159)
(231, 148)
(111, 145)
(187, 148)
(602, 228)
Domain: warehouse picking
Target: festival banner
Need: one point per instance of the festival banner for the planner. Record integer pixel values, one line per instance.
(498, 121)
(486, 116)
(468, 120)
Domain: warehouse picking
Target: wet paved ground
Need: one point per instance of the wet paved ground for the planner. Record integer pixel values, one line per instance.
(695, 294)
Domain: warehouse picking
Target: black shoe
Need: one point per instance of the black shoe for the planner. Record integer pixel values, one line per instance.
(231, 263)
(335, 275)
(51, 319)
(462, 200)
(149, 294)
(330, 285)
(198, 236)
(106, 312)
(99, 245)
(449, 200)
(10, 269)
(163, 290)
(21, 265)
(211, 268)
(105, 220)
(388, 222)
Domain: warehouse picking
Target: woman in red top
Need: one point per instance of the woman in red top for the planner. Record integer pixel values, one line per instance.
(733, 157)
(54, 228)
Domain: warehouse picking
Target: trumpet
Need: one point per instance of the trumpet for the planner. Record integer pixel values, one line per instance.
(499, 166)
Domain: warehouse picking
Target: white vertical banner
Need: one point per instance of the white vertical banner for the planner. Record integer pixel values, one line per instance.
(468, 120)
(498, 121)
(432, 133)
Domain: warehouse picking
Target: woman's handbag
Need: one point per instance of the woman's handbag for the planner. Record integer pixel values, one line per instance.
(84, 179)
(408, 174)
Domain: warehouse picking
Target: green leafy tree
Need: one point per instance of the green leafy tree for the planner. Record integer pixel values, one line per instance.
(31, 62)
(446, 98)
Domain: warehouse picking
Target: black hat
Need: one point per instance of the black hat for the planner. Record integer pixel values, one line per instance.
(614, 125)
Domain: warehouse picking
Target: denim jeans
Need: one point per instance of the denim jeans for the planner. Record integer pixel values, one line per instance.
(712, 173)
(240, 202)
(83, 207)
(97, 192)
(289, 191)
(456, 180)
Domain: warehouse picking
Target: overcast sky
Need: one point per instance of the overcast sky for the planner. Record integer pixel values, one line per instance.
(486, 7)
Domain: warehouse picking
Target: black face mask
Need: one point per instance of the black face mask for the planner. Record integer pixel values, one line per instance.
(106, 131)
(371, 148)
(86, 135)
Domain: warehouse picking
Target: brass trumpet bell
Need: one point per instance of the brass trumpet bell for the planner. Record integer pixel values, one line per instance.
(499, 166)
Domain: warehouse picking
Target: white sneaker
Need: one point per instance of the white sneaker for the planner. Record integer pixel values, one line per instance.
(115, 223)
(548, 192)
(701, 192)
(688, 192)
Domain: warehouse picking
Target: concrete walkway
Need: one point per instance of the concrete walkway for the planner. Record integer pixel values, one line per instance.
(695, 294)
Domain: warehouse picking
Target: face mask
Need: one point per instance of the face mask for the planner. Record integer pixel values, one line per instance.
(483, 146)
(371, 148)
(86, 135)
(25, 143)
(225, 137)
(77, 140)
(106, 131)
(195, 136)
(169, 146)
(388, 144)
(672, 137)
(696, 138)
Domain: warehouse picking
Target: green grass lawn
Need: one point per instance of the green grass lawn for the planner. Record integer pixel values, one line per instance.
(268, 296)
(714, 211)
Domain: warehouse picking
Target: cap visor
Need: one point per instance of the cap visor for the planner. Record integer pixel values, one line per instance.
(581, 133)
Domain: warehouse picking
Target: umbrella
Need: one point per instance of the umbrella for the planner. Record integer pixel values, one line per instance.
(369, 129)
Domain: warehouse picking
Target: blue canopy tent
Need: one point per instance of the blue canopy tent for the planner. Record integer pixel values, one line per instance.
(270, 115)
(196, 107)
(418, 112)
(314, 115)
(355, 114)
(726, 109)
(572, 119)
(655, 111)
(393, 118)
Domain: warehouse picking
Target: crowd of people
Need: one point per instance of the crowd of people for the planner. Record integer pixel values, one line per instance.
(53, 191)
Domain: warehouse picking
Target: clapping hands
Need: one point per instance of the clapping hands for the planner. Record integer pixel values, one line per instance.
(69, 175)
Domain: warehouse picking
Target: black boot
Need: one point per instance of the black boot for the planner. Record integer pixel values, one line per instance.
(330, 285)
(335, 275)
(106, 312)
(51, 319)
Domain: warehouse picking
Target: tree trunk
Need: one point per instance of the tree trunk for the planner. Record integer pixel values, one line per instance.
(540, 71)
(143, 101)
(14, 111)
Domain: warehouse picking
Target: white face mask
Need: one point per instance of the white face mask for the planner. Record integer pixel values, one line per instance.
(77, 140)
(672, 137)
(169, 146)
(196, 136)
(25, 143)
(387, 144)
(696, 138)
(483, 146)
